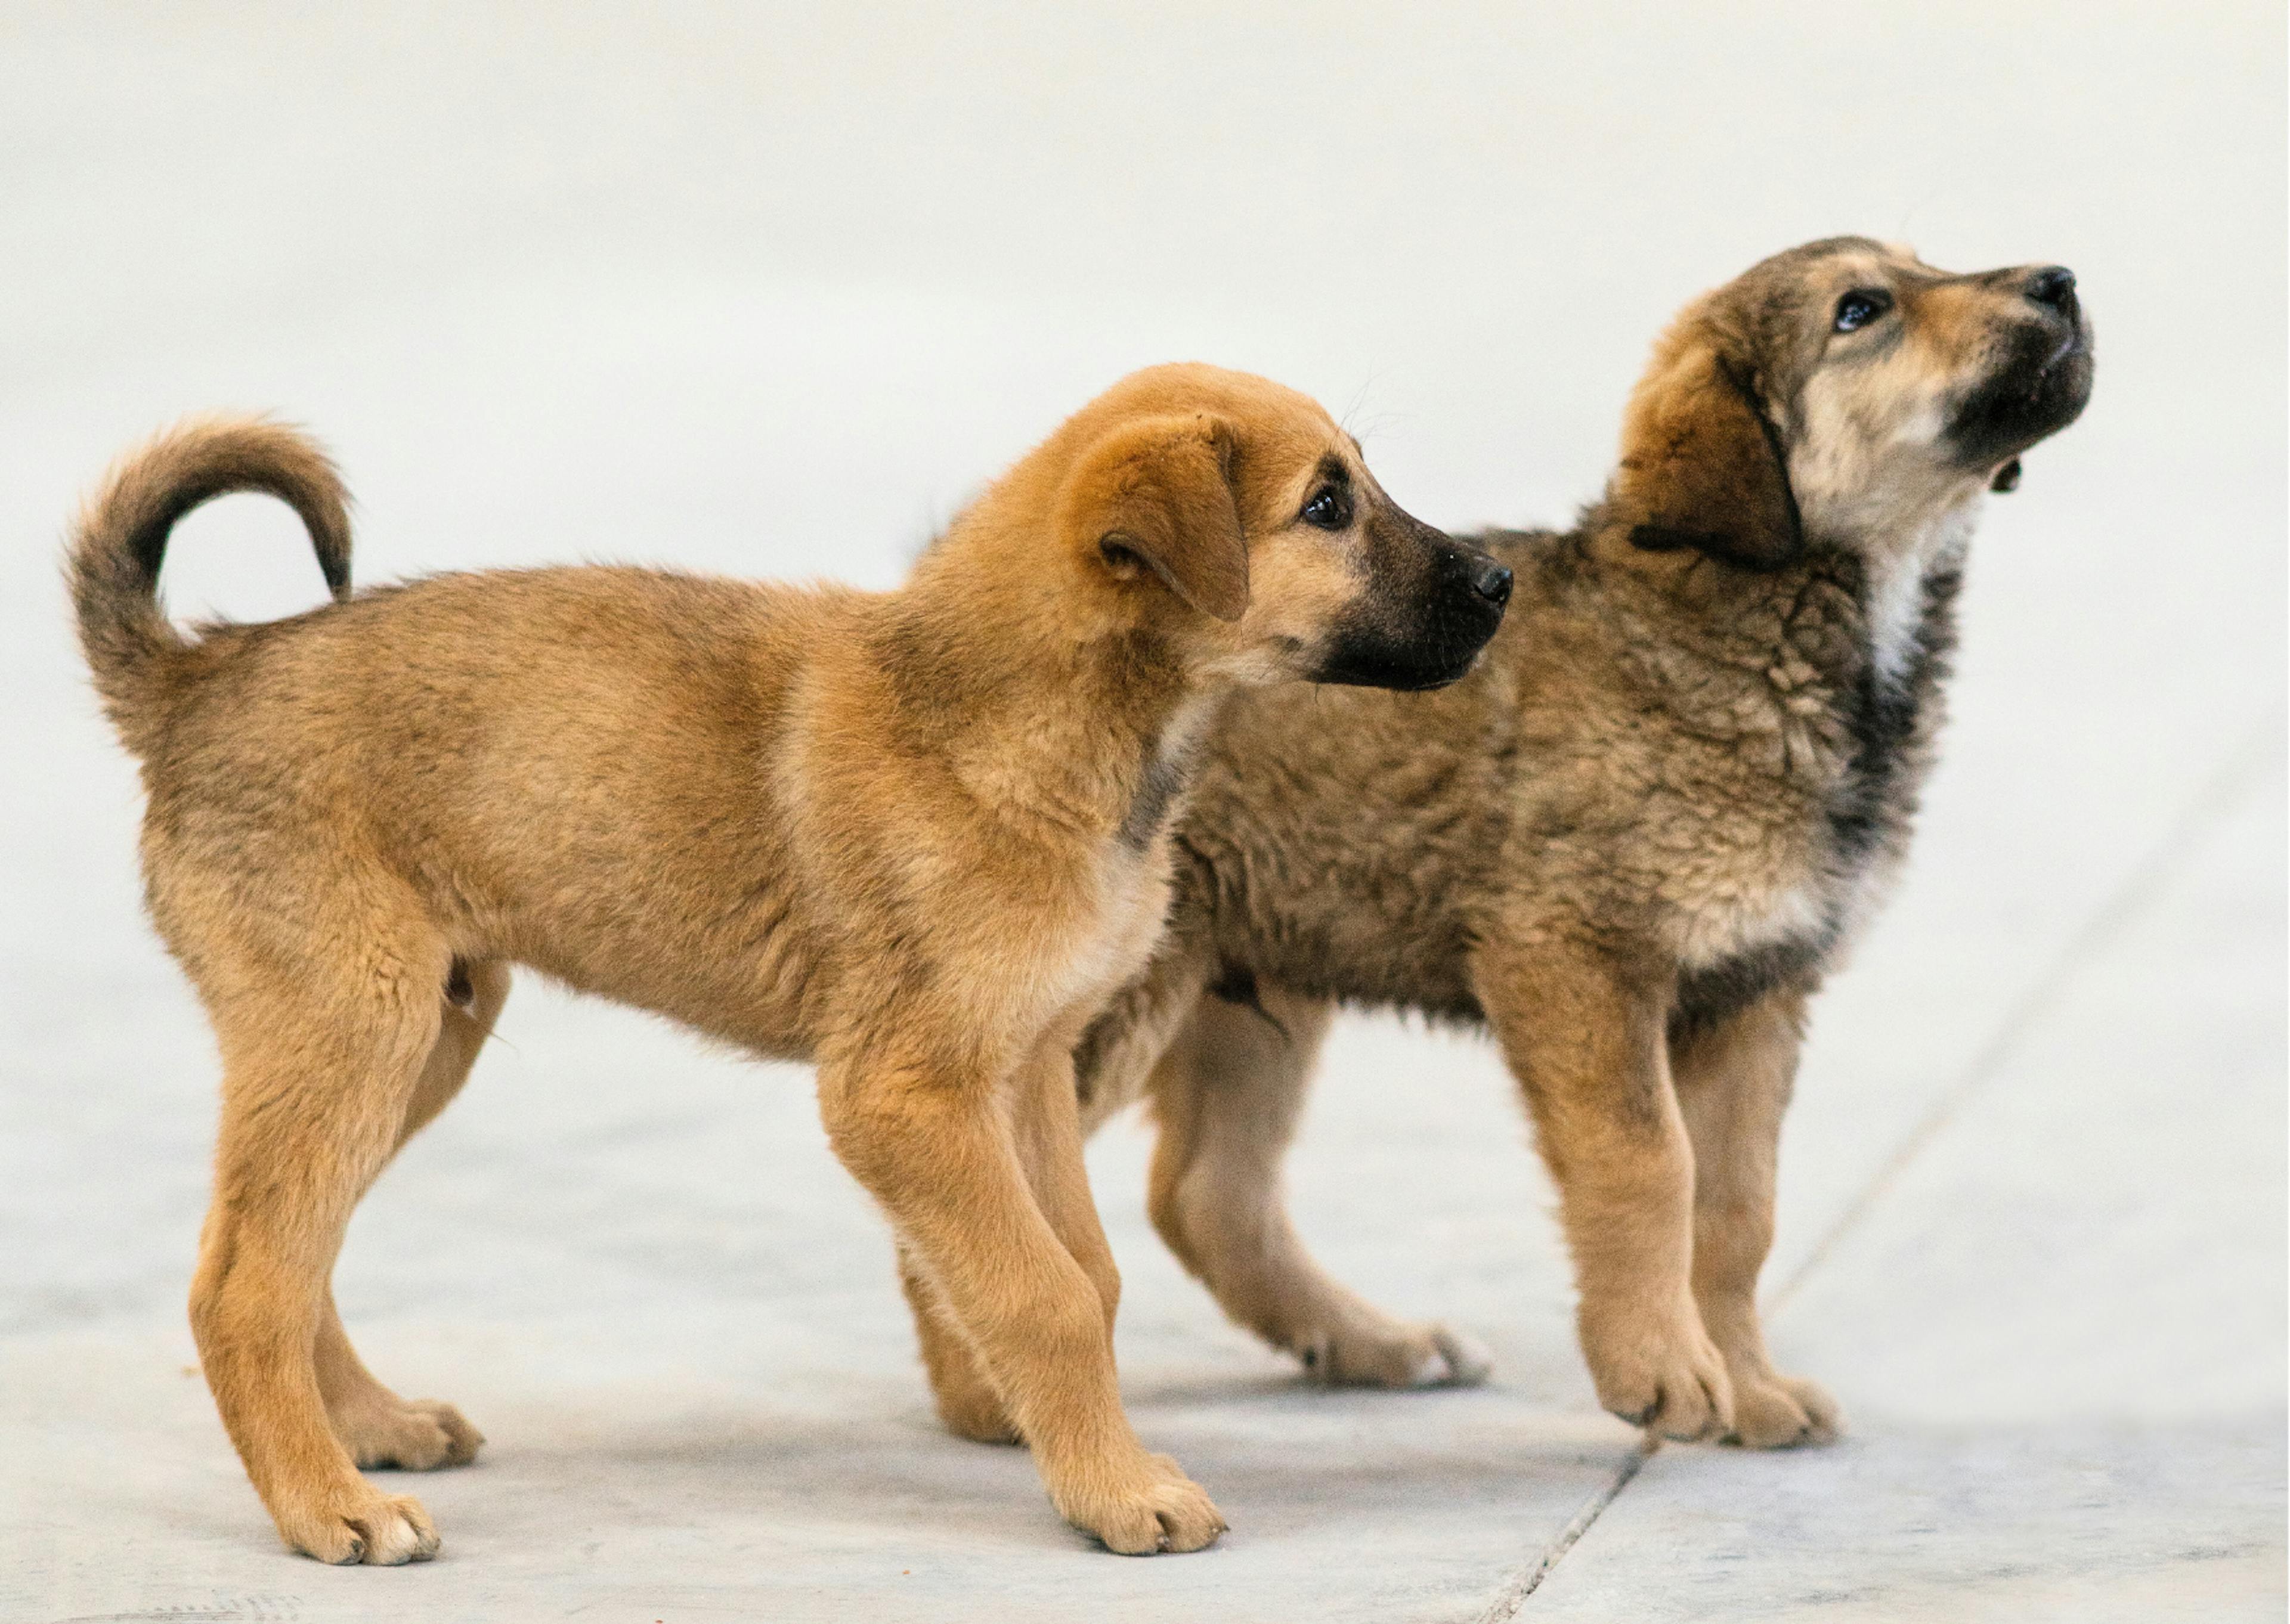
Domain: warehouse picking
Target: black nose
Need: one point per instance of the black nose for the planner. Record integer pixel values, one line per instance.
(1491, 580)
(2054, 285)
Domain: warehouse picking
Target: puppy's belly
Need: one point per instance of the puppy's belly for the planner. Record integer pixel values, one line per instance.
(758, 1002)
(736, 960)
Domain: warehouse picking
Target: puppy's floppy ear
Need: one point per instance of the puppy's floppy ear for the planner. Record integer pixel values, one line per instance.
(1158, 493)
(1702, 467)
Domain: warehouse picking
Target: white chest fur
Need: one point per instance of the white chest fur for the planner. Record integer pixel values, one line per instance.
(1894, 608)
(1795, 886)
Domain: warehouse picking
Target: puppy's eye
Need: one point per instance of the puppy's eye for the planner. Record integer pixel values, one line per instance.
(1329, 508)
(1860, 306)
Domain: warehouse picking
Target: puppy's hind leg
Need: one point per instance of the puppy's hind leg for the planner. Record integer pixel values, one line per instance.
(1226, 1095)
(374, 1424)
(1734, 1082)
(322, 1057)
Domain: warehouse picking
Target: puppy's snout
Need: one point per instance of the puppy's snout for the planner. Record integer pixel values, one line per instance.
(1473, 583)
(1469, 570)
(1491, 580)
(2054, 286)
(2037, 375)
(1433, 603)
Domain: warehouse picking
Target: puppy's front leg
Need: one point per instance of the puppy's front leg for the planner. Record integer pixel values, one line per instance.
(939, 1146)
(1734, 1082)
(1043, 1115)
(966, 1400)
(1588, 1047)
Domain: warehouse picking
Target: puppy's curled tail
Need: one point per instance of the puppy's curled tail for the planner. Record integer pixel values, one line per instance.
(121, 539)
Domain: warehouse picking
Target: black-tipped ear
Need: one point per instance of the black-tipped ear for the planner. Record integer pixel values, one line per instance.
(1701, 466)
(2007, 477)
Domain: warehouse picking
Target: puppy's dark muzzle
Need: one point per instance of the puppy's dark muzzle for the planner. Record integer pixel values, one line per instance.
(1474, 590)
(2041, 379)
(1426, 634)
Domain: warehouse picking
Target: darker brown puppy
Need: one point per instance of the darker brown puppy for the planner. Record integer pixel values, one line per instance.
(913, 836)
(1631, 844)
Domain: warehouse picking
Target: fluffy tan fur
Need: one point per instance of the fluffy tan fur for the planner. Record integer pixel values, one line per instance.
(915, 836)
(1631, 844)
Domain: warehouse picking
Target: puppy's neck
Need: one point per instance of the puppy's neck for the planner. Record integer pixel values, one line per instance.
(1816, 631)
(1047, 717)
(1882, 558)
(1896, 564)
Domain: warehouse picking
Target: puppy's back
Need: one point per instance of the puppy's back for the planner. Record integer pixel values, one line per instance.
(408, 704)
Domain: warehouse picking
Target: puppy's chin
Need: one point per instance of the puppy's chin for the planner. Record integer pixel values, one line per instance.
(1432, 648)
(1367, 665)
(2042, 386)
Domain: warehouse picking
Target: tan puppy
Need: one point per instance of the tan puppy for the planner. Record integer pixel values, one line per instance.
(1631, 844)
(913, 836)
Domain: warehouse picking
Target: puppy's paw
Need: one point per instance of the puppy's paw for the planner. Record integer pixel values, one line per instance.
(1462, 1360)
(1144, 1509)
(1394, 1354)
(1662, 1373)
(1772, 1411)
(419, 1435)
(353, 1522)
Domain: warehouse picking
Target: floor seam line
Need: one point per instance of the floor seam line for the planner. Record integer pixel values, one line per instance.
(2221, 792)
(1513, 1597)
